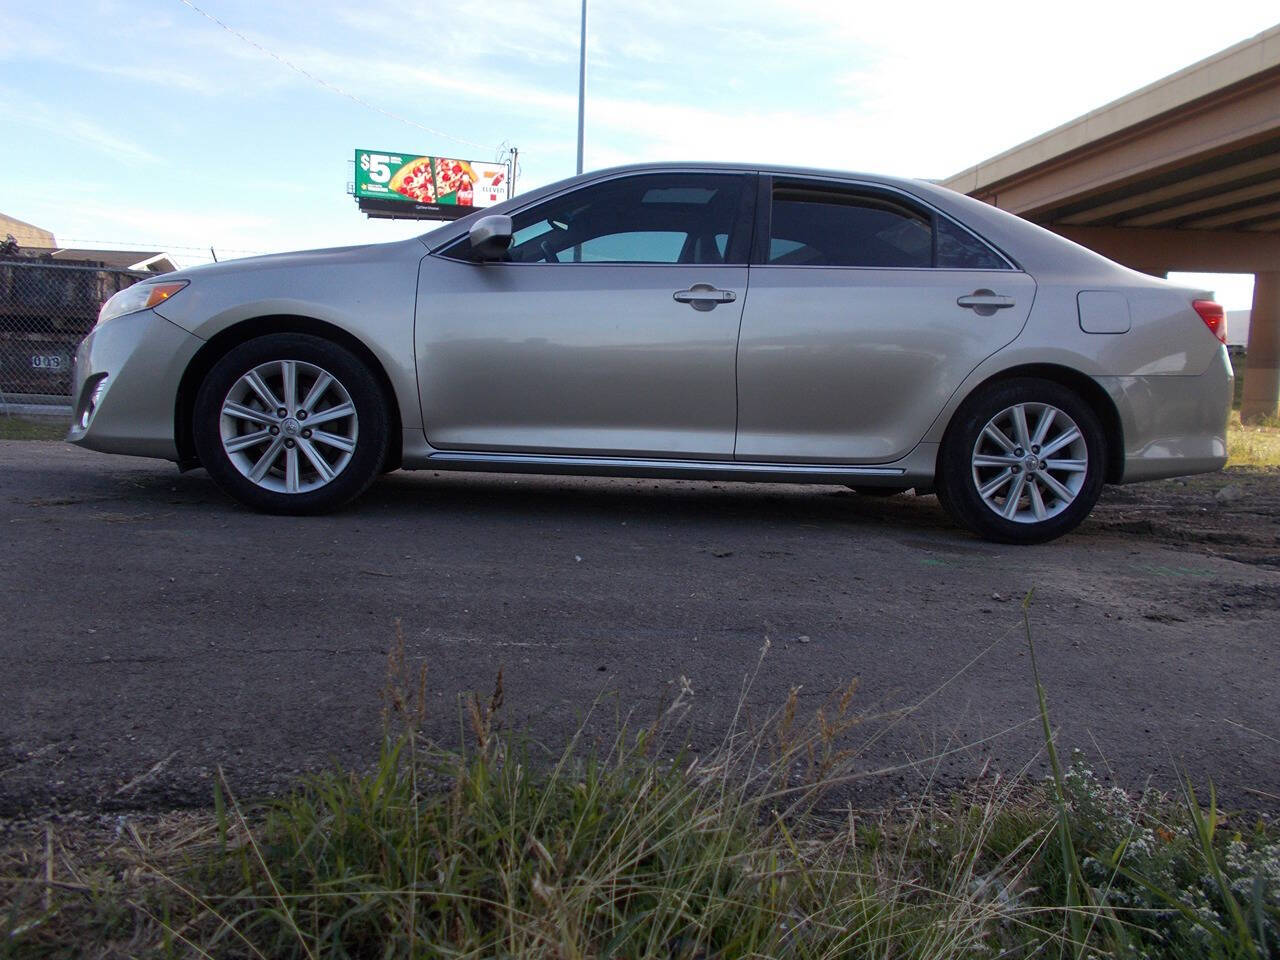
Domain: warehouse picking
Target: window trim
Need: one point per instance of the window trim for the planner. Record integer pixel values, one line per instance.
(742, 229)
(764, 223)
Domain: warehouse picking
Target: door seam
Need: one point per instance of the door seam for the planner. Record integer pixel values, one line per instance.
(737, 352)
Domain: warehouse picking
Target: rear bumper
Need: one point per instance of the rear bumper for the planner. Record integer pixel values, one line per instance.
(1174, 425)
(125, 384)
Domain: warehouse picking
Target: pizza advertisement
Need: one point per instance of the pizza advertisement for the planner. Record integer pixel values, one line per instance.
(441, 181)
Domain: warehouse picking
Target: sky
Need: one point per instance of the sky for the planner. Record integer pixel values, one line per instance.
(188, 124)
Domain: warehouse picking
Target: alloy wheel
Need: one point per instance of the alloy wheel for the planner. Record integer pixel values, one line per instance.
(1030, 462)
(289, 426)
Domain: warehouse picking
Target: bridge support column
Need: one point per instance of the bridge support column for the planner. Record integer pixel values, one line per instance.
(1262, 371)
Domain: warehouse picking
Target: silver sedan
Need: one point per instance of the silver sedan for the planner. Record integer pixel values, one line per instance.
(710, 321)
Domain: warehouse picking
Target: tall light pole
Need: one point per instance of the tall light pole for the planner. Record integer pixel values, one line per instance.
(582, 81)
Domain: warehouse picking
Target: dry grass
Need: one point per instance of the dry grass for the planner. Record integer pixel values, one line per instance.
(1253, 445)
(98, 887)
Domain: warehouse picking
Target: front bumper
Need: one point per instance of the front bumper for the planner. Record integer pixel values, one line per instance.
(125, 385)
(1174, 425)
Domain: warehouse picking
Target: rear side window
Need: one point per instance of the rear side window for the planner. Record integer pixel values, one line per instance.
(814, 225)
(833, 228)
(958, 249)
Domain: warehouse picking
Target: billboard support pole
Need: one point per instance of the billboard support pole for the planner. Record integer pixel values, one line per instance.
(582, 80)
(511, 179)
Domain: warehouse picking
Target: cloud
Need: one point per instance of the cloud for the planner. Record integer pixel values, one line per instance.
(81, 205)
(925, 90)
(525, 31)
(178, 61)
(386, 76)
(70, 126)
(863, 92)
(22, 39)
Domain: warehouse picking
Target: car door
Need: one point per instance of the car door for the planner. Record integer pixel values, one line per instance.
(867, 311)
(610, 330)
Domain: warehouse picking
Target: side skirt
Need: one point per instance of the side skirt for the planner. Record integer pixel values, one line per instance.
(915, 470)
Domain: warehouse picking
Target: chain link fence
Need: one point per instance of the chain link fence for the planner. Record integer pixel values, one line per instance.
(46, 309)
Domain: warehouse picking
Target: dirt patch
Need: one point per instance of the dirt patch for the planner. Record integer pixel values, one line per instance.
(1234, 514)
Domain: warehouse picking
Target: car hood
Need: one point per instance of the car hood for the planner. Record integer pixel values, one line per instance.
(363, 253)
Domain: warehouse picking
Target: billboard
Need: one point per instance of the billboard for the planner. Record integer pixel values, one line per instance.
(387, 183)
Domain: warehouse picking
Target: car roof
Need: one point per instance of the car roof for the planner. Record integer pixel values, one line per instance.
(769, 168)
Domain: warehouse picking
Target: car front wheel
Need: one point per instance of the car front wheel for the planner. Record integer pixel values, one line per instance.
(291, 423)
(1022, 462)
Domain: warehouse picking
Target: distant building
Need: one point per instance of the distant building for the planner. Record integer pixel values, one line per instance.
(46, 309)
(147, 261)
(27, 234)
(1238, 327)
(38, 242)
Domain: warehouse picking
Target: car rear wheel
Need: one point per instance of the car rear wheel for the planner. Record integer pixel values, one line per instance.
(1022, 462)
(291, 423)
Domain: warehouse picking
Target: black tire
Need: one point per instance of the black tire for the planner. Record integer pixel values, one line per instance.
(959, 476)
(940, 491)
(365, 431)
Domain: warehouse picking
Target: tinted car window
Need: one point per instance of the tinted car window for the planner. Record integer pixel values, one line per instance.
(833, 228)
(958, 249)
(641, 246)
(652, 218)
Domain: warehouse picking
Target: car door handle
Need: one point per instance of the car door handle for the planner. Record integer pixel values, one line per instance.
(703, 296)
(985, 302)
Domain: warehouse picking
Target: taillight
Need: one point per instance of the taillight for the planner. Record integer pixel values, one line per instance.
(1213, 317)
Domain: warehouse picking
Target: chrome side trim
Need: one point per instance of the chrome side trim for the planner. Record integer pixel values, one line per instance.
(656, 468)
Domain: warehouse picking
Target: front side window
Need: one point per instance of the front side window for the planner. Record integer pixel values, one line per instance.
(640, 246)
(647, 218)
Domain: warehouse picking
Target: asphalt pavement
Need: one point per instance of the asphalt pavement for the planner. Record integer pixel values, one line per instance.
(153, 631)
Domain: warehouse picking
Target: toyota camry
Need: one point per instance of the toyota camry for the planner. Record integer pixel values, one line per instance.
(696, 321)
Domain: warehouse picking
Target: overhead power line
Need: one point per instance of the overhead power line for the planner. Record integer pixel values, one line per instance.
(329, 86)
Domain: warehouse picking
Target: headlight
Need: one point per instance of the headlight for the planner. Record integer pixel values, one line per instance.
(141, 296)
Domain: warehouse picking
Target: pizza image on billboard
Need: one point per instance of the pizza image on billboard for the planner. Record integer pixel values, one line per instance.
(455, 181)
(414, 181)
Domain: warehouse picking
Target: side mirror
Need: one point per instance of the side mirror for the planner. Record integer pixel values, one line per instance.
(491, 237)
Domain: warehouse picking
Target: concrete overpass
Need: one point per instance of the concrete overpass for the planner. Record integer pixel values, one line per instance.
(1183, 174)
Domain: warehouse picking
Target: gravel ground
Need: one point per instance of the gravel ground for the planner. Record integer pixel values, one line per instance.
(153, 631)
(1234, 514)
